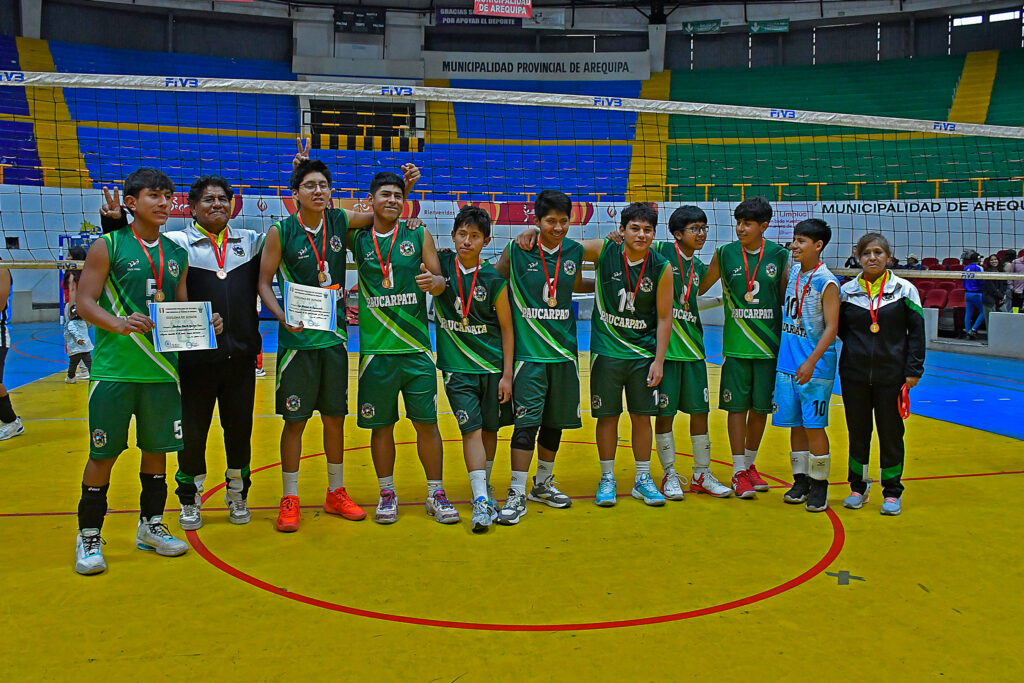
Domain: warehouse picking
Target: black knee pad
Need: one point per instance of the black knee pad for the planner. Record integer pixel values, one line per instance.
(550, 438)
(523, 438)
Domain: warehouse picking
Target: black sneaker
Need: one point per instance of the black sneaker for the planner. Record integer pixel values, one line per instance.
(798, 493)
(817, 496)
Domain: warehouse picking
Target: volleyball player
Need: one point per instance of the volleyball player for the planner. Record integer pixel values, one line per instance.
(397, 267)
(10, 423)
(124, 271)
(753, 272)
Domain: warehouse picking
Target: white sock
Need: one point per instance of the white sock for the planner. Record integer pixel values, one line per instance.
(666, 447)
(750, 456)
(739, 464)
(643, 467)
(234, 479)
(519, 481)
(433, 486)
(798, 459)
(290, 483)
(487, 469)
(335, 475)
(545, 470)
(818, 466)
(608, 467)
(478, 482)
(386, 483)
(701, 453)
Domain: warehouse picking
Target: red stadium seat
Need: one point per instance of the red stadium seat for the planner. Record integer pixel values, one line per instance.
(936, 298)
(948, 285)
(949, 261)
(935, 266)
(923, 286)
(955, 266)
(929, 261)
(956, 299)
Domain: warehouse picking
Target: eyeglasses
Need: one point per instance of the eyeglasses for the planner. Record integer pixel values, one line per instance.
(313, 187)
(697, 229)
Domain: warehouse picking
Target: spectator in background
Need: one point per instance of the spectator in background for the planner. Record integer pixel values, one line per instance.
(973, 296)
(913, 263)
(893, 263)
(1017, 286)
(77, 343)
(995, 294)
(10, 423)
(853, 261)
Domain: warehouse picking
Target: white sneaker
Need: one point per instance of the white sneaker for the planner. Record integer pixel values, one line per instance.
(260, 372)
(238, 508)
(705, 482)
(672, 485)
(153, 534)
(9, 430)
(441, 509)
(69, 380)
(88, 553)
(82, 373)
(190, 518)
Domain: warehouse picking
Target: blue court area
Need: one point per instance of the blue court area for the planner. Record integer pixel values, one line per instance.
(973, 391)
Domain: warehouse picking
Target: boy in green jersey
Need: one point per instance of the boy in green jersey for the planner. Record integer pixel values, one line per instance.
(543, 270)
(684, 387)
(753, 271)
(308, 248)
(397, 267)
(631, 329)
(124, 272)
(474, 352)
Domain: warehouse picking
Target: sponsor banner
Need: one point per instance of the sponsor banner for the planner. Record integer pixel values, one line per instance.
(573, 66)
(708, 26)
(503, 8)
(179, 205)
(770, 26)
(463, 16)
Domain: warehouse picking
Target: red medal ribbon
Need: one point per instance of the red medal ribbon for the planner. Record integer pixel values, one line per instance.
(465, 301)
(552, 285)
(807, 287)
(875, 302)
(746, 271)
(158, 277)
(222, 255)
(320, 260)
(639, 277)
(689, 282)
(385, 267)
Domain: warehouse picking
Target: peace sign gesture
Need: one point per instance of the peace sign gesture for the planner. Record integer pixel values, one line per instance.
(303, 151)
(111, 206)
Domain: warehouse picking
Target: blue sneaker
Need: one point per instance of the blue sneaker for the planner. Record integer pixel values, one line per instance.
(644, 489)
(855, 501)
(605, 491)
(891, 506)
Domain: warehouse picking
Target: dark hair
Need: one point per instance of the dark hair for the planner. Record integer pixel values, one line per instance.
(639, 211)
(753, 209)
(386, 178)
(816, 229)
(76, 253)
(684, 216)
(996, 268)
(970, 256)
(146, 178)
(195, 192)
(305, 167)
(551, 200)
(870, 237)
(475, 216)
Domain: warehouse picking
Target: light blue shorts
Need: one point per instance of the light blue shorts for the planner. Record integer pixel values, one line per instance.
(801, 405)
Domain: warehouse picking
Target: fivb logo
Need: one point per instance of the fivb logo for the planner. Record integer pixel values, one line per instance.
(12, 76)
(782, 114)
(608, 101)
(944, 126)
(393, 90)
(177, 82)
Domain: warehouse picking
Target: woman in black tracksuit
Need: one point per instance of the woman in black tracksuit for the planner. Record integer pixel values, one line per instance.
(882, 328)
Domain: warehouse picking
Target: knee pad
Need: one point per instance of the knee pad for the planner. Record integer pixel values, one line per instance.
(524, 438)
(550, 438)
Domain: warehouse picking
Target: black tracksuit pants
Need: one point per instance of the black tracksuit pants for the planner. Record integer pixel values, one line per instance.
(862, 402)
(231, 384)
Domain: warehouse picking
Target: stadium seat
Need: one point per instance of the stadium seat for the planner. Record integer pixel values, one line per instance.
(950, 261)
(929, 261)
(948, 285)
(936, 298)
(955, 266)
(956, 305)
(923, 287)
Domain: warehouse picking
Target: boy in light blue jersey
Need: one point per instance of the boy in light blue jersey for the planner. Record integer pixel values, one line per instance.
(806, 367)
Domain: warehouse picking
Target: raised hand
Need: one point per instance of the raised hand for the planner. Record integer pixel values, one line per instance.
(411, 174)
(111, 206)
(303, 151)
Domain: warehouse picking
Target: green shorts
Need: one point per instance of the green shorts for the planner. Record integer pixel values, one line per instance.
(684, 387)
(383, 376)
(474, 401)
(747, 383)
(157, 411)
(312, 379)
(546, 394)
(610, 376)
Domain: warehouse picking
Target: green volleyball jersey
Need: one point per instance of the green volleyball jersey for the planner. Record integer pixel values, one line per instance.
(300, 264)
(543, 333)
(626, 324)
(476, 347)
(687, 340)
(130, 288)
(753, 329)
(391, 319)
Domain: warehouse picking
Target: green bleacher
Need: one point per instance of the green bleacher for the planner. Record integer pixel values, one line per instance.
(1006, 107)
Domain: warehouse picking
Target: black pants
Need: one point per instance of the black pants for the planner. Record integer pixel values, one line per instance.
(862, 401)
(76, 358)
(231, 384)
(1017, 301)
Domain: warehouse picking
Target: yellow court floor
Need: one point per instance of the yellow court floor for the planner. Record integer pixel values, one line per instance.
(703, 588)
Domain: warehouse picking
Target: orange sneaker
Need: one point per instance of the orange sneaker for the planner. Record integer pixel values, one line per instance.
(288, 517)
(338, 503)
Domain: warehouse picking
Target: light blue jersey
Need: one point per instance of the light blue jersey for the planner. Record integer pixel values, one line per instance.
(800, 337)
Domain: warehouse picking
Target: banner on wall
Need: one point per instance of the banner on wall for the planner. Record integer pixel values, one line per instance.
(464, 16)
(554, 66)
(770, 26)
(521, 9)
(709, 26)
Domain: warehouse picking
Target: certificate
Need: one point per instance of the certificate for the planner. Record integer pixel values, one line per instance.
(182, 326)
(315, 307)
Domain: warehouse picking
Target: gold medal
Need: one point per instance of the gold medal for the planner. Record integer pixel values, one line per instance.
(796, 321)
(465, 322)
(322, 277)
(686, 305)
(552, 302)
(386, 283)
(221, 274)
(875, 327)
(749, 296)
(159, 296)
